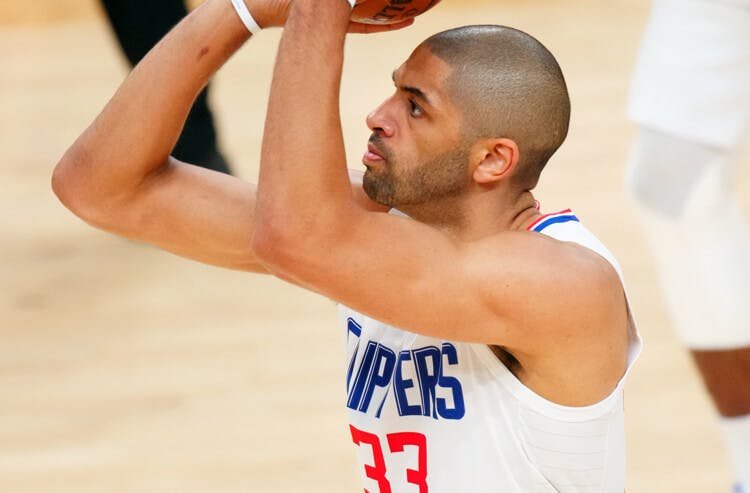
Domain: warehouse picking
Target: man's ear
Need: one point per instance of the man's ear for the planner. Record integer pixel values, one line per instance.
(497, 158)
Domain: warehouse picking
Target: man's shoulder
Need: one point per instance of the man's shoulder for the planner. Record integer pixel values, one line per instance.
(546, 277)
(533, 248)
(564, 304)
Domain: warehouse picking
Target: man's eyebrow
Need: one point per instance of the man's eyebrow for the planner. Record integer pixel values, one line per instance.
(417, 92)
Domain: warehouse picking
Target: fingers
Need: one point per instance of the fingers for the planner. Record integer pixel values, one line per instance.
(359, 28)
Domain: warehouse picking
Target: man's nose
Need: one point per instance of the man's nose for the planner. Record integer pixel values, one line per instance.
(380, 122)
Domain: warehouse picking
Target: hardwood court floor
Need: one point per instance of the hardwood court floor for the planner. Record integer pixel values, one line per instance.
(124, 369)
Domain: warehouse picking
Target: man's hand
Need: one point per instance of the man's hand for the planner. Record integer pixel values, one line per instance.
(273, 13)
(360, 28)
(269, 13)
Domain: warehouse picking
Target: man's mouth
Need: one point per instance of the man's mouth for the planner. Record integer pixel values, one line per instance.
(372, 154)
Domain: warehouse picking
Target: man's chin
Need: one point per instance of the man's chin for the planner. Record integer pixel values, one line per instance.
(374, 189)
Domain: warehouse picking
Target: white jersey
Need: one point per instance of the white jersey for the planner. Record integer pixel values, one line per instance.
(436, 416)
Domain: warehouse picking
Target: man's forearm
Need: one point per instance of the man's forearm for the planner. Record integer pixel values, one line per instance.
(138, 128)
(302, 160)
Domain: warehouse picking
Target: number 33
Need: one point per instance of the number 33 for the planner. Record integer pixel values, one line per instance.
(396, 443)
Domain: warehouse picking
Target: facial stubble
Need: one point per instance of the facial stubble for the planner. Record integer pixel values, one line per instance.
(437, 177)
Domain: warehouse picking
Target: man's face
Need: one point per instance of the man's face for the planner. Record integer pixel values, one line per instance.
(416, 153)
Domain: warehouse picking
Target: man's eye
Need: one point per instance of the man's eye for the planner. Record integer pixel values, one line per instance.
(415, 109)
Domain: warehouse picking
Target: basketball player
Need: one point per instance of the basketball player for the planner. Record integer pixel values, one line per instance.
(139, 25)
(691, 97)
(487, 344)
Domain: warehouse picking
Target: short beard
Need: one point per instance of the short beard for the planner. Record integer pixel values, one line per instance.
(442, 176)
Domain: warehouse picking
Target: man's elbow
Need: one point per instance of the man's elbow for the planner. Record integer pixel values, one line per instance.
(271, 243)
(67, 180)
(284, 245)
(75, 188)
(292, 243)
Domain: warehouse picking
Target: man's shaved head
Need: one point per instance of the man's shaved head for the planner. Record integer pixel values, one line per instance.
(507, 85)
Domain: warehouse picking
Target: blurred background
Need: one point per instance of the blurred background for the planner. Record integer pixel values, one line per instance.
(125, 369)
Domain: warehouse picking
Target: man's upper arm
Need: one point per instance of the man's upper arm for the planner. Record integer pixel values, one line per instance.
(184, 209)
(208, 216)
(496, 291)
(192, 212)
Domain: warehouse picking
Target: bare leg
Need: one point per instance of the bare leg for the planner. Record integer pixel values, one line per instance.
(727, 378)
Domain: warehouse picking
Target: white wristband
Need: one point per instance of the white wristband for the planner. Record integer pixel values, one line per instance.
(245, 16)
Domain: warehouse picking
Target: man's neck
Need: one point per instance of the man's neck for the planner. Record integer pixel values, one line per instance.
(476, 217)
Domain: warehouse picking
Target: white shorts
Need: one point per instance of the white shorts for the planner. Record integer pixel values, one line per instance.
(692, 76)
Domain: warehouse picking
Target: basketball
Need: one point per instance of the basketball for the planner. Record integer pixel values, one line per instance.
(390, 11)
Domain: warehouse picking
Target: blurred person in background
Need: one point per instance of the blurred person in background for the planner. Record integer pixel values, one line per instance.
(691, 99)
(139, 25)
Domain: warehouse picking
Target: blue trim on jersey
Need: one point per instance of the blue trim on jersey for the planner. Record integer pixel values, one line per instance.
(354, 327)
(554, 220)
